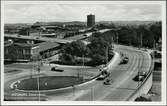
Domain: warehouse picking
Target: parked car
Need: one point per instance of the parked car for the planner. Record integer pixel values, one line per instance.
(56, 69)
(108, 82)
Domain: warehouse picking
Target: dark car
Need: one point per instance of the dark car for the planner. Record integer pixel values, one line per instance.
(140, 76)
(108, 82)
(56, 69)
(143, 74)
(124, 60)
(101, 77)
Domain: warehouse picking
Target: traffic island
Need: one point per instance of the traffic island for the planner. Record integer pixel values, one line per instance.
(48, 83)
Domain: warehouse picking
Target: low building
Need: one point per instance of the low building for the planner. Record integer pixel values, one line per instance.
(19, 51)
(48, 49)
(25, 51)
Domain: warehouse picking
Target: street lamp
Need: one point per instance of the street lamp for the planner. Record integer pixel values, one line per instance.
(82, 64)
(106, 55)
(38, 69)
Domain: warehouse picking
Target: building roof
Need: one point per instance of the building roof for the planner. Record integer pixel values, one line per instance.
(9, 43)
(42, 46)
(47, 45)
(25, 44)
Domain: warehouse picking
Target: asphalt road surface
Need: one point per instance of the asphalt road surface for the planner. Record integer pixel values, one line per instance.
(123, 84)
(122, 75)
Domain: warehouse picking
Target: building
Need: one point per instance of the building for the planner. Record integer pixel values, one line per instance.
(19, 51)
(48, 49)
(90, 20)
(25, 51)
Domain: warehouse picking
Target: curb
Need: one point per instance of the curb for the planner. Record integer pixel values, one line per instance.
(109, 64)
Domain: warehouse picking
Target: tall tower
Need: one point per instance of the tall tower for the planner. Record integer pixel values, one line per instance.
(90, 20)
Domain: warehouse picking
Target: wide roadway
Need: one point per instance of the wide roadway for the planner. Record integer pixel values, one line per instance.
(122, 75)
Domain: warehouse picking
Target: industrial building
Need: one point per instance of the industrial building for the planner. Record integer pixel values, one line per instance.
(24, 51)
(90, 20)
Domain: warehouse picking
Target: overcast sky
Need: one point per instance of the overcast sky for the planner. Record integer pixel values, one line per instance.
(30, 13)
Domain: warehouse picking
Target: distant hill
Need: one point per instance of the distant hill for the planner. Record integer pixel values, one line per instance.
(122, 23)
(60, 23)
(117, 23)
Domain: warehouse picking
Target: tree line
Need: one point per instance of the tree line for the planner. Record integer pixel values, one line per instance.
(141, 36)
(93, 54)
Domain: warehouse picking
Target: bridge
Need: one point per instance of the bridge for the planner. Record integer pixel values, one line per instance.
(56, 40)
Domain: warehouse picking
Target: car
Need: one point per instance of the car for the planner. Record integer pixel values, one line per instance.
(85, 35)
(124, 60)
(56, 69)
(142, 74)
(101, 77)
(108, 82)
(139, 78)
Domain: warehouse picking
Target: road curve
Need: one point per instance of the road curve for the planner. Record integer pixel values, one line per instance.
(122, 75)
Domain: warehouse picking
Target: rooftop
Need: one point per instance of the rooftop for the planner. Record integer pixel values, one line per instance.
(9, 43)
(47, 45)
(42, 46)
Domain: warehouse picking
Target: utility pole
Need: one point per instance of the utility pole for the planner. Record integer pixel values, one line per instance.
(38, 69)
(138, 74)
(32, 66)
(141, 40)
(106, 54)
(32, 60)
(117, 37)
(82, 64)
(38, 84)
(38, 76)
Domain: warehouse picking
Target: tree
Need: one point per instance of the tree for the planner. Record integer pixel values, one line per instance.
(98, 48)
(72, 50)
(67, 58)
(156, 32)
(76, 48)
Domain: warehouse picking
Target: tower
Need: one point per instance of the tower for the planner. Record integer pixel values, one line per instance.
(90, 20)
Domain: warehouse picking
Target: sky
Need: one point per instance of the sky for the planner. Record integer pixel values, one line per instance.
(30, 13)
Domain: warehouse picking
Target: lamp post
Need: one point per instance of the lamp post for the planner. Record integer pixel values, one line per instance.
(82, 64)
(35, 57)
(141, 40)
(106, 55)
(38, 69)
(38, 76)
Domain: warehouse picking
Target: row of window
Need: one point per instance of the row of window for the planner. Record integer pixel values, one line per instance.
(19, 51)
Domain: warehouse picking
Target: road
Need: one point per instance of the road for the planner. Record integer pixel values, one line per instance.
(122, 75)
(57, 40)
(62, 41)
(82, 36)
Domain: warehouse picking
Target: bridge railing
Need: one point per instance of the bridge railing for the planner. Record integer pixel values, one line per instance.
(144, 81)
